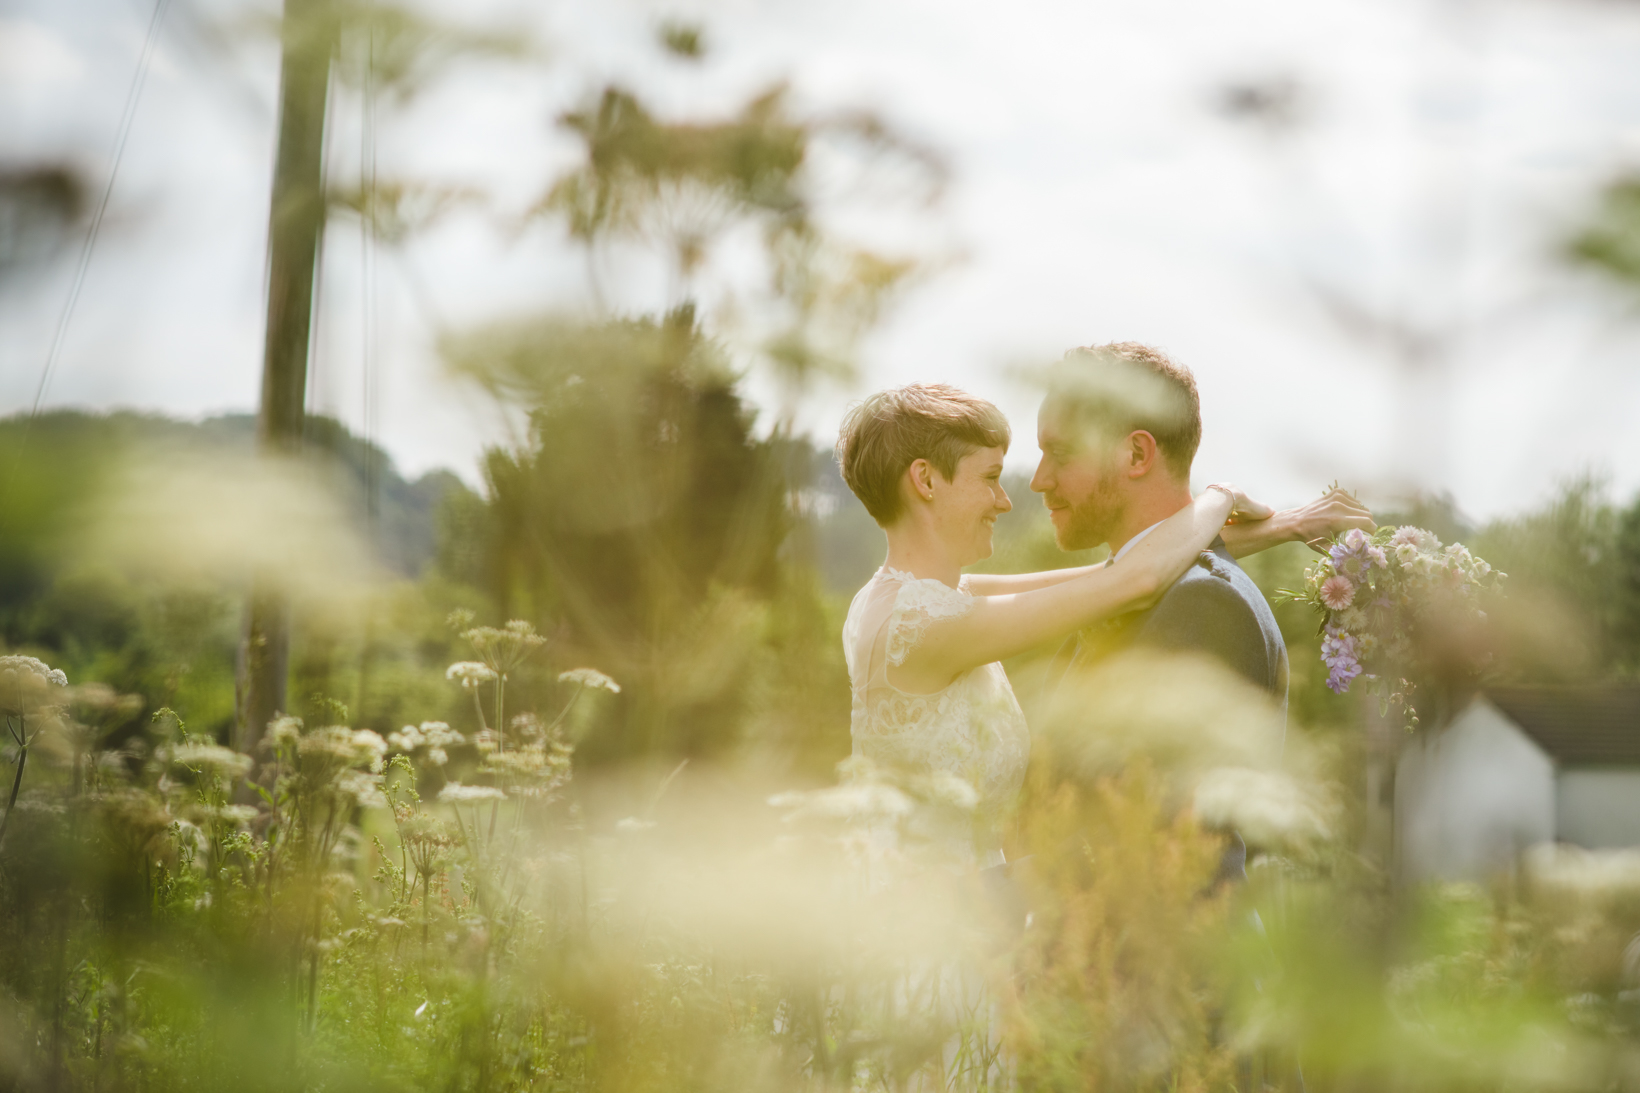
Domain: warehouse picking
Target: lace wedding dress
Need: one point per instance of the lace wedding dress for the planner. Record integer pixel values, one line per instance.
(971, 730)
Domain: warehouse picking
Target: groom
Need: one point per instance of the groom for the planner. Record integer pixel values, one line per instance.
(1118, 431)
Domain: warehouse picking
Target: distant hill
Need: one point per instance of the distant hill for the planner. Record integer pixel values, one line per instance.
(67, 452)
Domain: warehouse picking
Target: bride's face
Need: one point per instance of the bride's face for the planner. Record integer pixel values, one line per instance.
(966, 508)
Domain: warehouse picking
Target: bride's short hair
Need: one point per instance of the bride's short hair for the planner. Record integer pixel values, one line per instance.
(886, 433)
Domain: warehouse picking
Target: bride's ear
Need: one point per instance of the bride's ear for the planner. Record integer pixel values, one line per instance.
(920, 475)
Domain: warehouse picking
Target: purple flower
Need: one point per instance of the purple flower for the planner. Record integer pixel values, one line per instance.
(1341, 675)
(1339, 653)
(1338, 648)
(1353, 555)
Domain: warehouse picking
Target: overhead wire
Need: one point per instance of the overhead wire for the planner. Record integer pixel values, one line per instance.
(93, 229)
(131, 99)
(367, 253)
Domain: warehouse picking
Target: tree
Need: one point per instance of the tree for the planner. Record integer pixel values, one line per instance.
(641, 521)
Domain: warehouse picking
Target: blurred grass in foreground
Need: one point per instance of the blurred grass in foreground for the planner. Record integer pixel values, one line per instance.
(458, 907)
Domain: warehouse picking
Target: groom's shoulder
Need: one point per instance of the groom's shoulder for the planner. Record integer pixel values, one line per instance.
(1217, 609)
(1215, 587)
(1214, 580)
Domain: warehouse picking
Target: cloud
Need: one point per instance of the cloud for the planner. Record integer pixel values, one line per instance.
(32, 56)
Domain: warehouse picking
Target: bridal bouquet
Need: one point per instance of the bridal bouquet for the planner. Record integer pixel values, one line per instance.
(1380, 594)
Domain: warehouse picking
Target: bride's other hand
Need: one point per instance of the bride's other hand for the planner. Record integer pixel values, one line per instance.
(1313, 523)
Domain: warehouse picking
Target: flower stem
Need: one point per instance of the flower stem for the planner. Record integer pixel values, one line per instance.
(500, 716)
(16, 785)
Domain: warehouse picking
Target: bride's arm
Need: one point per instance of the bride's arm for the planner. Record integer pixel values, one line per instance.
(1002, 626)
(1334, 512)
(998, 584)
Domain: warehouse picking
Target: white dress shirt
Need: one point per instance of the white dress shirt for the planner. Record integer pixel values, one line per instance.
(1133, 542)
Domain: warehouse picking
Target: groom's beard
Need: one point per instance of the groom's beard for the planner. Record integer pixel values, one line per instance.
(1094, 520)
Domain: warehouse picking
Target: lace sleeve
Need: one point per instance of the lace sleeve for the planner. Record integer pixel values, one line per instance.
(917, 605)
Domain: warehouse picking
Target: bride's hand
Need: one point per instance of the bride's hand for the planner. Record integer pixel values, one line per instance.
(1245, 510)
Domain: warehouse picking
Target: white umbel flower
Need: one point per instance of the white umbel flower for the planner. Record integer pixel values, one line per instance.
(213, 759)
(470, 673)
(285, 732)
(27, 684)
(456, 794)
(590, 677)
(1268, 807)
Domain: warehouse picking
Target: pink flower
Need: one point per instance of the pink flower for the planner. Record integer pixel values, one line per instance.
(1337, 593)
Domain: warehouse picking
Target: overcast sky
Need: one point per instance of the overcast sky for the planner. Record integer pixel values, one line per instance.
(1429, 160)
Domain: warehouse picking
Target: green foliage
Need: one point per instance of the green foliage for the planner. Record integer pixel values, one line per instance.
(683, 186)
(1611, 242)
(685, 40)
(38, 207)
(1571, 611)
(643, 523)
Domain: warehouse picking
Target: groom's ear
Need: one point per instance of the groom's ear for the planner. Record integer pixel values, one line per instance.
(1140, 455)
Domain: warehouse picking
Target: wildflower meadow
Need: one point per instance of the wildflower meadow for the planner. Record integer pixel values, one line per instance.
(455, 697)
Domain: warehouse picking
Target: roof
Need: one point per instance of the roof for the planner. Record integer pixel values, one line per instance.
(1592, 725)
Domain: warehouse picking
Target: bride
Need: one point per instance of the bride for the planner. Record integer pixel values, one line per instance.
(924, 642)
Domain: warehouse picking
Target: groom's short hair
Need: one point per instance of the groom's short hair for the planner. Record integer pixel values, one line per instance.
(1111, 390)
(886, 433)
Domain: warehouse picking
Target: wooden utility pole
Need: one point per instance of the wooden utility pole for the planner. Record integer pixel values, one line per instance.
(295, 222)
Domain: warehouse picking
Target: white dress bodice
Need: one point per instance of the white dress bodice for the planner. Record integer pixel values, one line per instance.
(972, 729)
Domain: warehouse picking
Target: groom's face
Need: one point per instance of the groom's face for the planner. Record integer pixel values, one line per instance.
(1080, 481)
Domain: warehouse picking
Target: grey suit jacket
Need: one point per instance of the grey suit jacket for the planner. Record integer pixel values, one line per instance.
(1215, 608)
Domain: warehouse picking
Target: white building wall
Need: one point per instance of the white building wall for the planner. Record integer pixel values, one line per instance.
(1470, 797)
(1598, 809)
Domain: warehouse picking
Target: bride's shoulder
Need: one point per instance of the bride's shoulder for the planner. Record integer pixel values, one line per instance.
(919, 601)
(910, 589)
(894, 597)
